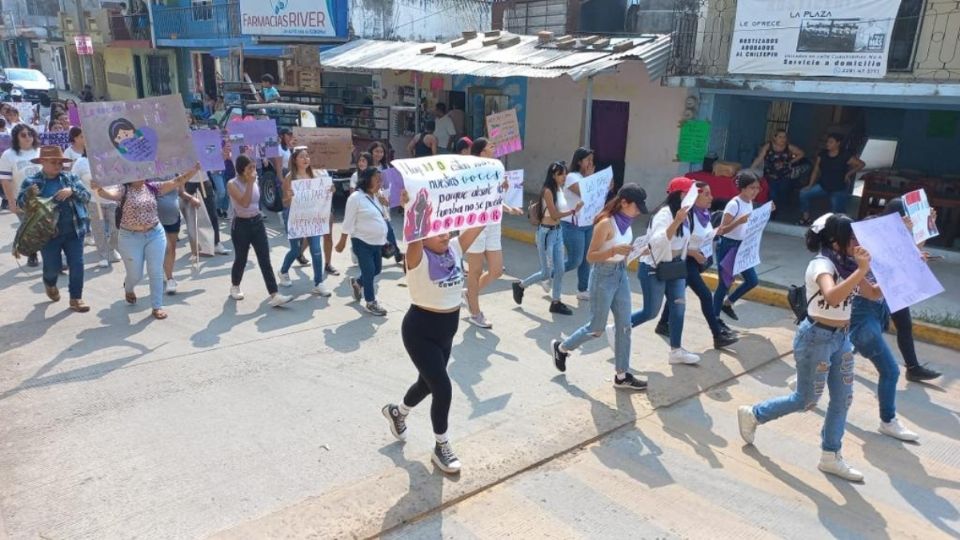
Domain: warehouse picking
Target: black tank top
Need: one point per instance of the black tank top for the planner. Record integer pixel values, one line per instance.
(420, 149)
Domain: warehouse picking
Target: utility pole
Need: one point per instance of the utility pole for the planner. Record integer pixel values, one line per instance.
(86, 60)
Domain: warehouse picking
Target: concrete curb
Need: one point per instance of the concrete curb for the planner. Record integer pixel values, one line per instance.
(773, 295)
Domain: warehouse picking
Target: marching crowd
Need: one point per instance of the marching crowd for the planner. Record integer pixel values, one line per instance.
(138, 224)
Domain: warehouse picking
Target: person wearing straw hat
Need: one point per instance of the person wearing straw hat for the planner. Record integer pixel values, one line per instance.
(73, 224)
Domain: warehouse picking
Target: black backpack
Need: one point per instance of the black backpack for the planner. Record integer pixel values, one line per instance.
(797, 298)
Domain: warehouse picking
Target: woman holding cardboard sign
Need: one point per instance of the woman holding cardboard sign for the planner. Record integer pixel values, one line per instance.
(435, 280)
(486, 247)
(300, 169)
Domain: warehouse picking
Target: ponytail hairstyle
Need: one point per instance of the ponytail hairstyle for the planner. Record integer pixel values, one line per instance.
(631, 193)
(293, 173)
(478, 146)
(746, 178)
(365, 179)
(463, 143)
(837, 229)
(242, 163)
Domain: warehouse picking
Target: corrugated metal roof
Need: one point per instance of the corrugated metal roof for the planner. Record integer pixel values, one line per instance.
(527, 58)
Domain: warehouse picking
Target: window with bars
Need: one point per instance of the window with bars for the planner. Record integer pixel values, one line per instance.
(158, 75)
(43, 8)
(903, 41)
(202, 10)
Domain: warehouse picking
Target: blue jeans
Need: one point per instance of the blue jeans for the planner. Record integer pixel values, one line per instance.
(696, 284)
(371, 262)
(750, 279)
(549, 245)
(609, 291)
(137, 248)
(824, 359)
(780, 191)
(71, 245)
(575, 241)
(838, 199)
(316, 253)
(868, 319)
(221, 198)
(653, 292)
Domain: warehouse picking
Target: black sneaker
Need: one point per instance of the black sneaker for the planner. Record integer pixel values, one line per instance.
(4, 204)
(398, 258)
(727, 309)
(444, 458)
(629, 382)
(517, 292)
(398, 422)
(302, 259)
(724, 340)
(332, 271)
(561, 308)
(921, 373)
(559, 357)
(724, 329)
(32, 260)
(356, 289)
(662, 329)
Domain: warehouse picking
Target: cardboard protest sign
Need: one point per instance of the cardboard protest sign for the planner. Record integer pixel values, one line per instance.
(55, 138)
(135, 140)
(514, 195)
(706, 243)
(639, 245)
(262, 133)
(896, 263)
(748, 254)
(391, 185)
(690, 198)
(208, 144)
(503, 129)
(450, 193)
(26, 109)
(199, 228)
(310, 207)
(918, 208)
(73, 114)
(593, 193)
(330, 148)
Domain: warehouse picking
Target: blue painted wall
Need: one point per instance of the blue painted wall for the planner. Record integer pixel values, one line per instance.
(515, 88)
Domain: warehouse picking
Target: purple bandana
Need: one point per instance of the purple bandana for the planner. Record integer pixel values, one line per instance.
(441, 266)
(703, 215)
(845, 265)
(623, 221)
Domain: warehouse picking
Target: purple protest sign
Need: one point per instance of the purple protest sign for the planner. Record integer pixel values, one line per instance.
(55, 138)
(73, 114)
(209, 146)
(258, 133)
(392, 182)
(5, 142)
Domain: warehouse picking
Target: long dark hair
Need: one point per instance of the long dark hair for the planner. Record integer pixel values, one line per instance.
(579, 155)
(368, 157)
(746, 178)
(385, 162)
(15, 135)
(629, 192)
(672, 202)
(478, 146)
(365, 179)
(838, 228)
(550, 183)
(74, 133)
(292, 173)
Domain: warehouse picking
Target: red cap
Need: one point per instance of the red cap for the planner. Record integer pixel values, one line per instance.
(681, 184)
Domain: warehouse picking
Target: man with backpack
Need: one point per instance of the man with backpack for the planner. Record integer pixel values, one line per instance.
(72, 222)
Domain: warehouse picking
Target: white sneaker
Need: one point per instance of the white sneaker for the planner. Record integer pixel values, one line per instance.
(792, 383)
(278, 300)
(611, 336)
(103, 263)
(681, 356)
(171, 286)
(89, 241)
(748, 423)
(583, 295)
(115, 256)
(833, 463)
(285, 280)
(321, 290)
(236, 293)
(220, 249)
(896, 430)
(545, 285)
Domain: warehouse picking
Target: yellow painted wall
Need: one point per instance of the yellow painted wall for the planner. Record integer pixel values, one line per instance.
(121, 81)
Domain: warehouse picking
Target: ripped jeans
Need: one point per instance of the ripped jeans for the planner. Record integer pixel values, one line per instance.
(824, 360)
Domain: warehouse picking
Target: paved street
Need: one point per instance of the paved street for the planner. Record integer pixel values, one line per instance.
(234, 420)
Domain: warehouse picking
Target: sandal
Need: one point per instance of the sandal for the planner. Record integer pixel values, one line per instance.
(130, 297)
(159, 314)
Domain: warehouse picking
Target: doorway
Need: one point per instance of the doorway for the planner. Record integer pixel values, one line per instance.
(609, 125)
(138, 75)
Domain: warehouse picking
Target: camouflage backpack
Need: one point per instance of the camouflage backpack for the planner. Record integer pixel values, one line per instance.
(39, 225)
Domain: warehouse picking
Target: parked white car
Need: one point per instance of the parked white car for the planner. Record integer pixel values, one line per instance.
(26, 84)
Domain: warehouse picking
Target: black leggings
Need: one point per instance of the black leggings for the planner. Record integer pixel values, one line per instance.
(428, 338)
(251, 232)
(904, 324)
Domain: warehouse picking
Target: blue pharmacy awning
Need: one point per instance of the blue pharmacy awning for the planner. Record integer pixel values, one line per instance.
(253, 51)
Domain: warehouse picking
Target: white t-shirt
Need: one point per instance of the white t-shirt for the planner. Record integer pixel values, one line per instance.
(818, 307)
(444, 131)
(285, 158)
(702, 237)
(17, 167)
(738, 207)
(572, 198)
(442, 295)
(365, 219)
(663, 249)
